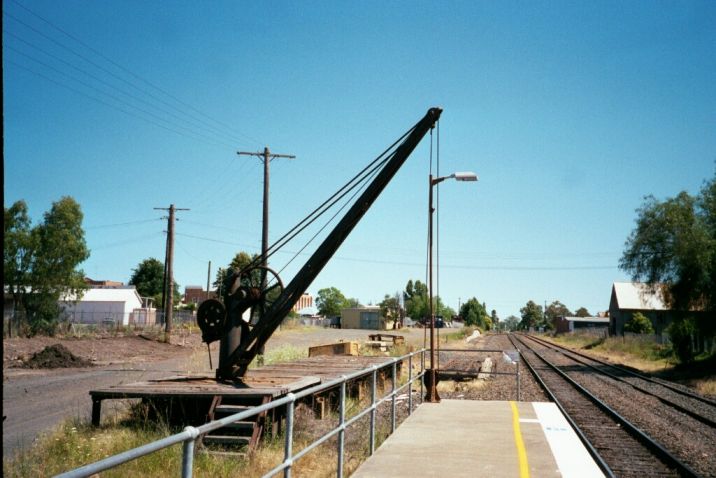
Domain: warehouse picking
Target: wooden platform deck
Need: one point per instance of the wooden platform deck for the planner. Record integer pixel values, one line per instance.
(274, 381)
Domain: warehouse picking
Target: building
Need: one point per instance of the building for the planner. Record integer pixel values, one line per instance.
(117, 305)
(563, 325)
(628, 298)
(195, 294)
(305, 301)
(368, 317)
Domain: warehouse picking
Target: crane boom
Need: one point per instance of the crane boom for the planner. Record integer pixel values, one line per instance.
(236, 362)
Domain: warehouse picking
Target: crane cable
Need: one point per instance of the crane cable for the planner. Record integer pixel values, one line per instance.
(372, 168)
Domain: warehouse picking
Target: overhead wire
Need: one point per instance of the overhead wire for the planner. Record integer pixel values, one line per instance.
(218, 137)
(94, 63)
(171, 124)
(129, 223)
(378, 162)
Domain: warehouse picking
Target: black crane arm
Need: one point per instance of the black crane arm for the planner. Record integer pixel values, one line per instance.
(238, 361)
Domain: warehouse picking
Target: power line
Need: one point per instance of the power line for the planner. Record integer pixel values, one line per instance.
(134, 75)
(102, 68)
(193, 122)
(142, 221)
(98, 100)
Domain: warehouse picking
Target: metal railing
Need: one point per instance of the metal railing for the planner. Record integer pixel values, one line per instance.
(190, 434)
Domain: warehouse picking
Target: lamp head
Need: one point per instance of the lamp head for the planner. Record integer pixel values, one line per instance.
(465, 176)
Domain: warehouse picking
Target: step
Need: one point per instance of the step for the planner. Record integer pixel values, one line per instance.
(226, 440)
(240, 426)
(231, 409)
(224, 453)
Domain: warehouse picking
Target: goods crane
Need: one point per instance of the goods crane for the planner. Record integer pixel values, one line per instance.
(258, 291)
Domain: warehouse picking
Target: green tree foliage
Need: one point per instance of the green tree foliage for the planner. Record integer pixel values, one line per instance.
(18, 251)
(639, 324)
(223, 275)
(474, 313)
(681, 333)
(673, 248)
(554, 310)
(674, 243)
(416, 300)
(148, 278)
(41, 262)
(510, 323)
(532, 315)
(582, 312)
(330, 301)
(391, 308)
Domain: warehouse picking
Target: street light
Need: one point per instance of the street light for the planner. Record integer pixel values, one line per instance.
(431, 377)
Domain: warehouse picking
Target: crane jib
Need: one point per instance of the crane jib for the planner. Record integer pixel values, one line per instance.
(238, 361)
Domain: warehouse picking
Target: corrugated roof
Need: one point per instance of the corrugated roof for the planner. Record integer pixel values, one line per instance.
(588, 319)
(111, 295)
(637, 296)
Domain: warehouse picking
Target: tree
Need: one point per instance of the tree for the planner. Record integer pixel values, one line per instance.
(582, 312)
(240, 261)
(511, 323)
(330, 301)
(352, 302)
(673, 250)
(41, 263)
(474, 313)
(494, 318)
(18, 250)
(148, 278)
(532, 315)
(416, 300)
(639, 324)
(554, 310)
(391, 308)
(674, 244)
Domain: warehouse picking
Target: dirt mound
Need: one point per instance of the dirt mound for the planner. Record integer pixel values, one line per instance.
(56, 356)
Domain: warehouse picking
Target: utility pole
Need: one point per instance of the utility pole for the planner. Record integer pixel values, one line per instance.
(266, 156)
(168, 300)
(208, 279)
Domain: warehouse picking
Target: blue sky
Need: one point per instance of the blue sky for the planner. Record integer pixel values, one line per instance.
(570, 113)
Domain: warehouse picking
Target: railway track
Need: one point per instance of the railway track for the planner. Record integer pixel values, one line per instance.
(686, 401)
(621, 448)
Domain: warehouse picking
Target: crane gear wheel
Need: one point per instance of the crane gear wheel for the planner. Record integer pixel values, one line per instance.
(255, 288)
(211, 318)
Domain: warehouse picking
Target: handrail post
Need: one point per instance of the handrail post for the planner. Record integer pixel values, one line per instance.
(410, 384)
(342, 432)
(288, 444)
(187, 461)
(422, 374)
(518, 378)
(373, 393)
(392, 411)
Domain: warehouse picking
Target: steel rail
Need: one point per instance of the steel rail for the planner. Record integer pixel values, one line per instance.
(585, 441)
(655, 447)
(647, 378)
(565, 351)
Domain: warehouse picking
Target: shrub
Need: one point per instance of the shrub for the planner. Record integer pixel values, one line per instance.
(680, 332)
(639, 324)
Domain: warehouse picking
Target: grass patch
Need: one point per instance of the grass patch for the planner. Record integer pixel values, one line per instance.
(636, 352)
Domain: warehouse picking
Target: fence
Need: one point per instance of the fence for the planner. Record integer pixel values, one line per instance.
(190, 435)
(17, 323)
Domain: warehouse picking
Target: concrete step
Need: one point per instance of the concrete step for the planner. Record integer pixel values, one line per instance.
(226, 440)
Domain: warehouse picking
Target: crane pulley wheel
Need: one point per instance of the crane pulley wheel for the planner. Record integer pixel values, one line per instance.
(211, 319)
(256, 288)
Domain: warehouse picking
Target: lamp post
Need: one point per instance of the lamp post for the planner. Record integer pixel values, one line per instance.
(431, 377)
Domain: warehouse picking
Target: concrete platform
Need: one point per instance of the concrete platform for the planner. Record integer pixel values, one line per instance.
(464, 438)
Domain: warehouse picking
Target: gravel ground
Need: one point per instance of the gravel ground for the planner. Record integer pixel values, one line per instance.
(494, 387)
(692, 441)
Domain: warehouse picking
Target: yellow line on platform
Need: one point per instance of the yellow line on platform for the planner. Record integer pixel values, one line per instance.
(521, 452)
